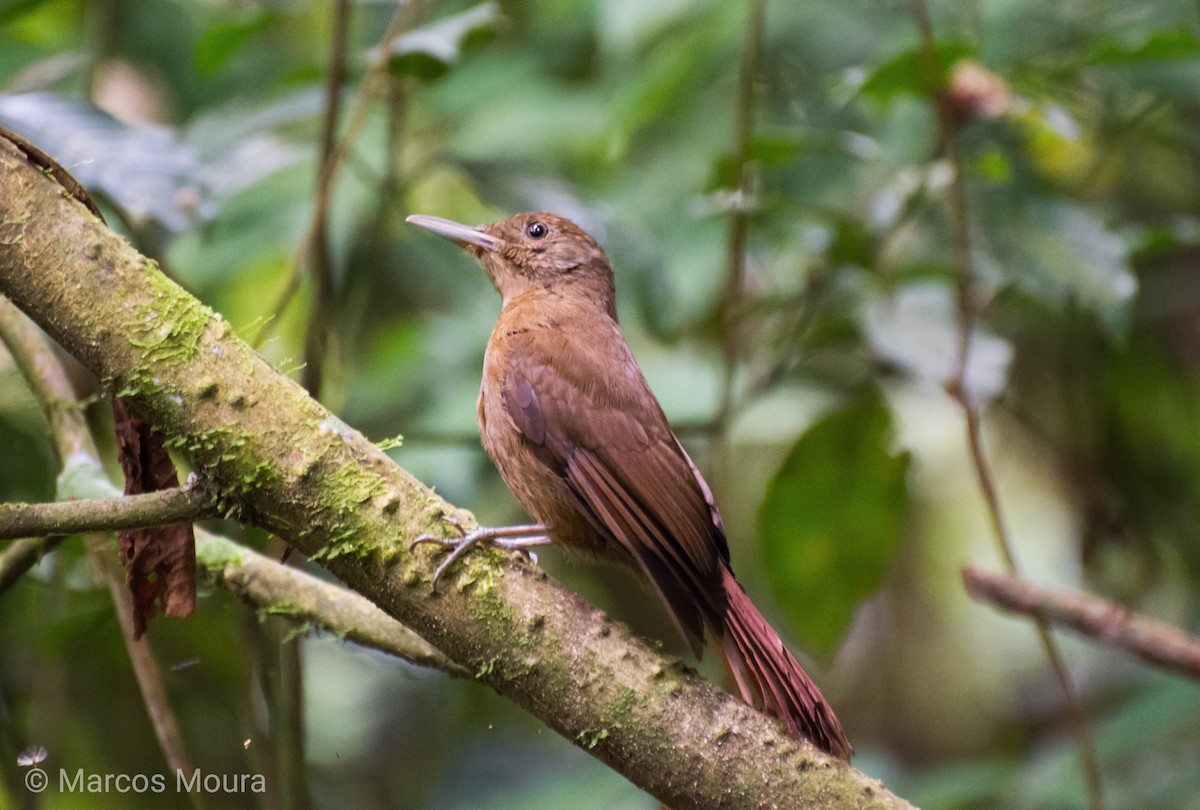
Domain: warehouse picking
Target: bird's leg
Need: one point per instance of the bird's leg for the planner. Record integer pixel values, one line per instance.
(512, 538)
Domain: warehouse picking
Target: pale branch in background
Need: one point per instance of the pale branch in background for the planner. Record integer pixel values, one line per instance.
(21, 555)
(1108, 623)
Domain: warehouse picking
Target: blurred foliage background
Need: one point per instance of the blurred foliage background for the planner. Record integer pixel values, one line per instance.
(811, 390)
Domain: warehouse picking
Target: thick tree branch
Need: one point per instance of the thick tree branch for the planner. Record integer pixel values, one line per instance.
(105, 514)
(297, 470)
(1109, 623)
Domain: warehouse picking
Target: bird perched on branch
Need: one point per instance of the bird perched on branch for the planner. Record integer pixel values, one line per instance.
(577, 435)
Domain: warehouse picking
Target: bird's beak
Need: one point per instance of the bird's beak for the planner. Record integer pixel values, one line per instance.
(456, 232)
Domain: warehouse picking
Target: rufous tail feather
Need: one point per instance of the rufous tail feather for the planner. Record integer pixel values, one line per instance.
(763, 669)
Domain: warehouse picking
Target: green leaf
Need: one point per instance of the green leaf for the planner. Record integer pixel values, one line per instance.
(853, 243)
(14, 9)
(1163, 45)
(906, 74)
(777, 150)
(831, 520)
(429, 52)
(220, 42)
(766, 151)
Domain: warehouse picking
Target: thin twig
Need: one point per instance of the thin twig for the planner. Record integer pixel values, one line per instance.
(735, 273)
(319, 333)
(376, 237)
(105, 514)
(268, 586)
(287, 719)
(145, 665)
(401, 21)
(1108, 623)
(19, 557)
(959, 388)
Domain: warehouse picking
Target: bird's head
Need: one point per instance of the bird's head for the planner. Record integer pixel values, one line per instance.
(532, 251)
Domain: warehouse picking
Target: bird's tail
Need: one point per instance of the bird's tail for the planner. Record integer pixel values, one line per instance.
(764, 669)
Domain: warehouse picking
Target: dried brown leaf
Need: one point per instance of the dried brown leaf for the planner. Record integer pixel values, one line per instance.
(160, 562)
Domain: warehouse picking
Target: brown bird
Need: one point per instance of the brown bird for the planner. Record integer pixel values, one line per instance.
(577, 435)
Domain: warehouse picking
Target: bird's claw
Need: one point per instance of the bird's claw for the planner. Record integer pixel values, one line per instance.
(511, 538)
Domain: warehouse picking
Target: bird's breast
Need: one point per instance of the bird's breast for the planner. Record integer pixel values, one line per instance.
(530, 471)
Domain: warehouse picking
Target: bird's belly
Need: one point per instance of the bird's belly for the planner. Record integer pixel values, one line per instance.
(541, 490)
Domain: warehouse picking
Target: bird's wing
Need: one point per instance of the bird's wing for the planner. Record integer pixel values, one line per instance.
(595, 421)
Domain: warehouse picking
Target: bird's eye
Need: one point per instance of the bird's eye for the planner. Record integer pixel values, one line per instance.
(536, 230)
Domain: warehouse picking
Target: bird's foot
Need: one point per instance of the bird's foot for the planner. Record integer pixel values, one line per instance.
(512, 538)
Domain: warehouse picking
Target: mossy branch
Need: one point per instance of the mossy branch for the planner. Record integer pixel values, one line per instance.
(280, 590)
(293, 468)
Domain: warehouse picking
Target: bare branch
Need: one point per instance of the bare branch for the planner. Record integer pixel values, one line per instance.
(1108, 623)
(105, 514)
(735, 259)
(319, 332)
(368, 90)
(17, 558)
(145, 665)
